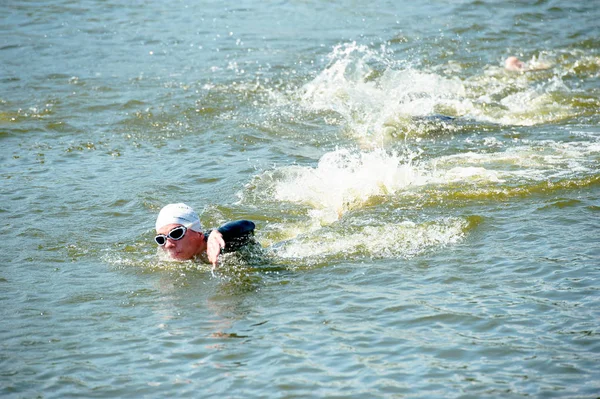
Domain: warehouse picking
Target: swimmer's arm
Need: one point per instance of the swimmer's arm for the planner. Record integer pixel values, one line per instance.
(236, 230)
(214, 244)
(233, 233)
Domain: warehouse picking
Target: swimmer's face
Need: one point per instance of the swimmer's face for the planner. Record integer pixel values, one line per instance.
(513, 64)
(182, 249)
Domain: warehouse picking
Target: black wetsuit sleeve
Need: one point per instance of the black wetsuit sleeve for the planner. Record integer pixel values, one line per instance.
(236, 234)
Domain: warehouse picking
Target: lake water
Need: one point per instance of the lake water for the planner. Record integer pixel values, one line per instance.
(429, 222)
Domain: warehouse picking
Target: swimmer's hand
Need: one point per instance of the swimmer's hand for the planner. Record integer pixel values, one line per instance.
(213, 246)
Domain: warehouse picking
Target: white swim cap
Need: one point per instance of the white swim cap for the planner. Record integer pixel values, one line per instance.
(178, 214)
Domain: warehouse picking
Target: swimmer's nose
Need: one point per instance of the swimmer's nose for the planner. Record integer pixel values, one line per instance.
(169, 243)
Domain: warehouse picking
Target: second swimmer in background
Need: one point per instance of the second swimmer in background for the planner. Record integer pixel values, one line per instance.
(512, 63)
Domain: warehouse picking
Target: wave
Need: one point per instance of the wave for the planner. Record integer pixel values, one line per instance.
(388, 186)
(378, 97)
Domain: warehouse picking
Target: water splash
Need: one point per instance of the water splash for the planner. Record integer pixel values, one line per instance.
(342, 180)
(391, 239)
(345, 182)
(374, 94)
(378, 97)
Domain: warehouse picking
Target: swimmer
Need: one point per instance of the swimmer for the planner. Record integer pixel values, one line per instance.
(180, 234)
(512, 63)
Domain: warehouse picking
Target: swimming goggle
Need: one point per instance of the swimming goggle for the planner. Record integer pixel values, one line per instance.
(176, 234)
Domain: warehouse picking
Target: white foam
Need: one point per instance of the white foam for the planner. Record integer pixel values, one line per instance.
(385, 240)
(369, 105)
(344, 180)
(375, 94)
